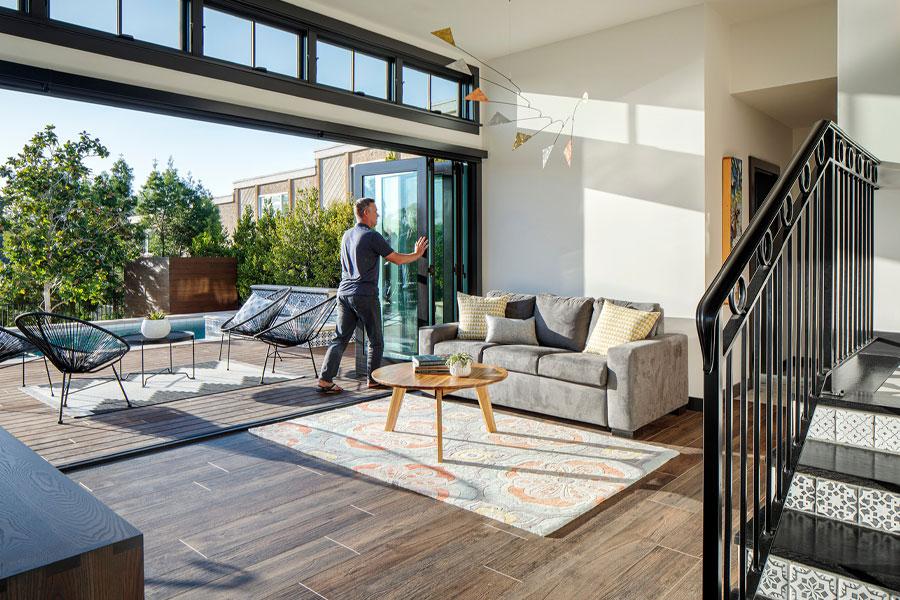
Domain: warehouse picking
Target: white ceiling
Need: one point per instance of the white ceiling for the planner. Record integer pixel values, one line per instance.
(492, 28)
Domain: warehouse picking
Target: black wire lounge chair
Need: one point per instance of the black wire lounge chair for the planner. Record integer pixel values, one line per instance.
(74, 347)
(256, 315)
(14, 344)
(296, 330)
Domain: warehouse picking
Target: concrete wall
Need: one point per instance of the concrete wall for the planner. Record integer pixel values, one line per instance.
(626, 220)
(869, 111)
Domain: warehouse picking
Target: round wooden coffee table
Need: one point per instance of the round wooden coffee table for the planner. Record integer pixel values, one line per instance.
(403, 377)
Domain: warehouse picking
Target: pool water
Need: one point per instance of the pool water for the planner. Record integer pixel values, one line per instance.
(197, 325)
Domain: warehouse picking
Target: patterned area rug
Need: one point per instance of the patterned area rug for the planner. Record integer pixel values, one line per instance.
(530, 474)
(94, 394)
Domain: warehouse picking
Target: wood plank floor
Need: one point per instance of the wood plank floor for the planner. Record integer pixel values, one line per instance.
(95, 437)
(242, 517)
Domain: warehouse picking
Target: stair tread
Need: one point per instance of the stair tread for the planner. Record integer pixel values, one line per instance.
(885, 403)
(868, 370)
(851, 464)
(841, 548)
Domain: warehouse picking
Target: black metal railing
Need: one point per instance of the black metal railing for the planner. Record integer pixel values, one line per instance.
(105, 312)
(792, 302)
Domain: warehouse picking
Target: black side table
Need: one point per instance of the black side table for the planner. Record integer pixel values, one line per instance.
(174, 336)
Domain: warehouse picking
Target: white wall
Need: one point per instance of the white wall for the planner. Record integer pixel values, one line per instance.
(627, 219)
(733, 128)
(869, 111)
(788, 47)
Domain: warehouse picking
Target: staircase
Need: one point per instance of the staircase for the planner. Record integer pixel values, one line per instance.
(801, 496)
(839, 535)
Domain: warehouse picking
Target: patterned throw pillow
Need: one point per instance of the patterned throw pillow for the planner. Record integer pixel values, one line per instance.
(472, 312)
(619, 325)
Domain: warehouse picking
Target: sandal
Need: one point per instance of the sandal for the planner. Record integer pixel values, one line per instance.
(332, 388)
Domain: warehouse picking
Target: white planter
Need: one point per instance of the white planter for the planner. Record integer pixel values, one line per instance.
(460, 370)
(155, 329)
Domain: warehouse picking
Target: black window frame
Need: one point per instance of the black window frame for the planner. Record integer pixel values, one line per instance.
(42, 7)
(236, 11)
(32, 21)
(465, 108)
(389, 72)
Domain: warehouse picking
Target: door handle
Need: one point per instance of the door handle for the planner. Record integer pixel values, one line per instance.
(430, 270)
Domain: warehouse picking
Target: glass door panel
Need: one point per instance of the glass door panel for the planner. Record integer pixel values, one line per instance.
(442, 235)
(396, 188)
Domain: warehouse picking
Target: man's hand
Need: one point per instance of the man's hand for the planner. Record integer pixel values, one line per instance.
(421, 246)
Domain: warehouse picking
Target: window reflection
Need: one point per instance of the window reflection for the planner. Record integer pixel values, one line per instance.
(96, 14)
(370, 75)
(333, 65)
(156, 21)
(226, 36)
(415, 88)
(444, 95)
(277, 50)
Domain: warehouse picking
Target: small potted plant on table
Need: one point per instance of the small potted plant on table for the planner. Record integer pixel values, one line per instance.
(156, 325)
(460, 364)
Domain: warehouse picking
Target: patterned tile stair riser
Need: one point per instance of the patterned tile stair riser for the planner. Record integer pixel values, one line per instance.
(856, 428)
(788, 580)
(858, 505)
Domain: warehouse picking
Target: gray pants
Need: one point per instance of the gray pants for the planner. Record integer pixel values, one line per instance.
(350, 311)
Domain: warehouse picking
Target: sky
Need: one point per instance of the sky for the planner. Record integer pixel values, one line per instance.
(215, 154)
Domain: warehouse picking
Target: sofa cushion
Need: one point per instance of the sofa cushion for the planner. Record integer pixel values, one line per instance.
(501, 330)
(562, 322)
(518, 306)
(575, 367)
(472, 310)
(516, 357)
(474, 348)
(644, 306)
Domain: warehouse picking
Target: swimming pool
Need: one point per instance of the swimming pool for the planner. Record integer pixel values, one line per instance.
(196, 325)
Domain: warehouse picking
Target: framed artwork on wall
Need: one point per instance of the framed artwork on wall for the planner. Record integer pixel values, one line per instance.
(732, 203)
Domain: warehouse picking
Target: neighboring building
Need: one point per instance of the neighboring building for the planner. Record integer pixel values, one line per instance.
(330, 173)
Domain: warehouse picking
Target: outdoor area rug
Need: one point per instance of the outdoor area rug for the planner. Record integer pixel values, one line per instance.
(95, 394)
(530, 474)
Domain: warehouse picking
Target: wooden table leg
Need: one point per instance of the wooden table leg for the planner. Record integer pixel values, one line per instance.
(394, 409)
(439, 396)
(486, 411)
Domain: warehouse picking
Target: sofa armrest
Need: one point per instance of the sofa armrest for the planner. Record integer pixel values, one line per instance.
(429, 336)
(646, 380)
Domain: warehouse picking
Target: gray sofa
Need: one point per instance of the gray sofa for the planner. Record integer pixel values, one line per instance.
(634, 385)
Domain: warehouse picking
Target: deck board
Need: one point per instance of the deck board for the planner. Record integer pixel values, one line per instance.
(102, 436)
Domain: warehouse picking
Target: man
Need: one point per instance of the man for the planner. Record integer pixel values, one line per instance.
(358, 301)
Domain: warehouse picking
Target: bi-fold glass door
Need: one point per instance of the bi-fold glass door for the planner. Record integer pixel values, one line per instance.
(419, 197)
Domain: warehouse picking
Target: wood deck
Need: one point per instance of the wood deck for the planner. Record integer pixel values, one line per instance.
(90, 438)
(242, 517)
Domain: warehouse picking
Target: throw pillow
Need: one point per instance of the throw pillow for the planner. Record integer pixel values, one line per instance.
(472, 312)
(501, 330)
(619, 325)
(253, 306)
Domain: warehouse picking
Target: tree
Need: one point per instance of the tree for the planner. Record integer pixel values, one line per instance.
(66, 236)
(252, 246)
(174, 210)
(307, 245)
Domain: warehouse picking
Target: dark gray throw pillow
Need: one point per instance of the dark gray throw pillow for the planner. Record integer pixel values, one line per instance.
(518, 306)
(501, 330)
(562, 322)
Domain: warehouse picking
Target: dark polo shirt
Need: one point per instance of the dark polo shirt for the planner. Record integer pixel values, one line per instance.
(361, 248)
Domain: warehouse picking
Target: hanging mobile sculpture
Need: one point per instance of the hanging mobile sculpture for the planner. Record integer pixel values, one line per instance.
(478, 95)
